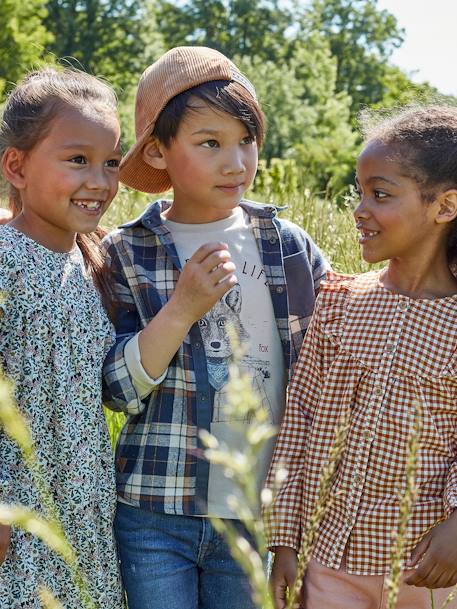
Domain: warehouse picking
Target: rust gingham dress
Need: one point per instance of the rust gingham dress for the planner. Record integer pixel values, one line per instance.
(373, 352)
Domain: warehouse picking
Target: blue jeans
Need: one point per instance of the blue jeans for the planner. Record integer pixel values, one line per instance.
(177, 562)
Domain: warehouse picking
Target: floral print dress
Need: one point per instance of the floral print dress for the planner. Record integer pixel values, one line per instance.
(54, 335)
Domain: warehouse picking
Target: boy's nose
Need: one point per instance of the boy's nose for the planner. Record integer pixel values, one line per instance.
(234, 163)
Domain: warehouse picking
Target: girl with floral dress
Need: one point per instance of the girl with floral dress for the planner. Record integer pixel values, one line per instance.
(59, 146)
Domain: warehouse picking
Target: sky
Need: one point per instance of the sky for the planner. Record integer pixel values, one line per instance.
(429, 52)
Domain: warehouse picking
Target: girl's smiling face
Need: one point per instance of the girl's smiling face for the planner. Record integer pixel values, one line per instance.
(393, 220)
(67, 180)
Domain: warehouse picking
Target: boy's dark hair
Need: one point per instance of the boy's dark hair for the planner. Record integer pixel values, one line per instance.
(27, 118)
(424, 142)
(222, 96)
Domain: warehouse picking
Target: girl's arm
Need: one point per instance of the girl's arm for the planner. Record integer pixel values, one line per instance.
(5, 536)
(436, 555)
(283, 517)
(283, 575)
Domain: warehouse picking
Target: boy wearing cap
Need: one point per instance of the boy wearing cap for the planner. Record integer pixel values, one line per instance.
(183, 272)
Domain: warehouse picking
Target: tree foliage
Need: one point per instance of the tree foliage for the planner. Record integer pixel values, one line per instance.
(314, 63)
(23, 39)
(245, 27)
(107, 37)
(308, 121)
(362, 38)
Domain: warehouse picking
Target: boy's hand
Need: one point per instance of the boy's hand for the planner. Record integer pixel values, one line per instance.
(5, 537)
(283, 575)
(436, 556)
(205, 278)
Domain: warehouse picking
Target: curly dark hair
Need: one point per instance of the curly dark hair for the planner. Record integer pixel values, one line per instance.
(423, 140)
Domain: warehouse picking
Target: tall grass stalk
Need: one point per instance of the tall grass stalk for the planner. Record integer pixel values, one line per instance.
(406, 506)
(47, 599)
(323, 502)
(449, 599)
(48, 529)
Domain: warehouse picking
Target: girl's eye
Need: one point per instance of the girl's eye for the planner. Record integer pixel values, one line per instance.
(113, 163)
(380, 194)
(249, 139)
(79, 160)
(211, 144)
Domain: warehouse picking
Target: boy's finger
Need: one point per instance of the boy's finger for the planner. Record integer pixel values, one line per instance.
(222, 272)
(214, 260)
(206, 250)
(224, 286)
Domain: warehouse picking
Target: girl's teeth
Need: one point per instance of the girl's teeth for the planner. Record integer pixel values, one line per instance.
(92, 205)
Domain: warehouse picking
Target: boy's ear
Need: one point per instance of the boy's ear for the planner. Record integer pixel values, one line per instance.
(13, 167)
(153, 156)
(447, 210)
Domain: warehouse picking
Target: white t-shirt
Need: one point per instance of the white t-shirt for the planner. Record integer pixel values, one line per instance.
(248, 308)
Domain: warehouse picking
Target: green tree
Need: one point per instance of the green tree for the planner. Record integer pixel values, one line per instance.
(308, 121)
(245, 27)
(362, 39)
(23, 39)
(111, 38)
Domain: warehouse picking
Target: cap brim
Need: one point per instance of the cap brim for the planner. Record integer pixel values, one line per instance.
(136, 173)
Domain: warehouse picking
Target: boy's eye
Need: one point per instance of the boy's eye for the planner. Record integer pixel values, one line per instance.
(113, 163)
(211, 144)
(249, 139)
(79, 159)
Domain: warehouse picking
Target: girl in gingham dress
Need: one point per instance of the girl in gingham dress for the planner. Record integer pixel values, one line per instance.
(379, 343)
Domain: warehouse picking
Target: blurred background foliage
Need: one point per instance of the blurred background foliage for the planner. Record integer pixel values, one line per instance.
(315, 63)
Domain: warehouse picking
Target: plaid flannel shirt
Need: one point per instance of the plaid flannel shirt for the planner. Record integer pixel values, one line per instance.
(159, 455)
(374, 354)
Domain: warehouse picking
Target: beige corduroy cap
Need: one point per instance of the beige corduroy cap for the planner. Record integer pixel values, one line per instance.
(176, 71)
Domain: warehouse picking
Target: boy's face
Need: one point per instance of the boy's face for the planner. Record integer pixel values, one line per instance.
(211, 163)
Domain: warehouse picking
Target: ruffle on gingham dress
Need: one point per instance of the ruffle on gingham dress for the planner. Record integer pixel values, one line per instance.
(374, 353)
(54, 335)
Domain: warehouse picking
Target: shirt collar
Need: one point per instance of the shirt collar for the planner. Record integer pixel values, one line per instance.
(152, 219)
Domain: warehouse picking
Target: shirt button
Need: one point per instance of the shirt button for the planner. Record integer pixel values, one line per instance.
(366, 434)
(378, 391)
(279, 289)
(203, 397)
(272, 240)
(349, 521)
(390, 347)
(358, 479)
(197, 345)
(403, 305)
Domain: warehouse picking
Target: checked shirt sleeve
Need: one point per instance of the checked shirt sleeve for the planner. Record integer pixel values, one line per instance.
(283, 518)
(450, 490)
(120, 391)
